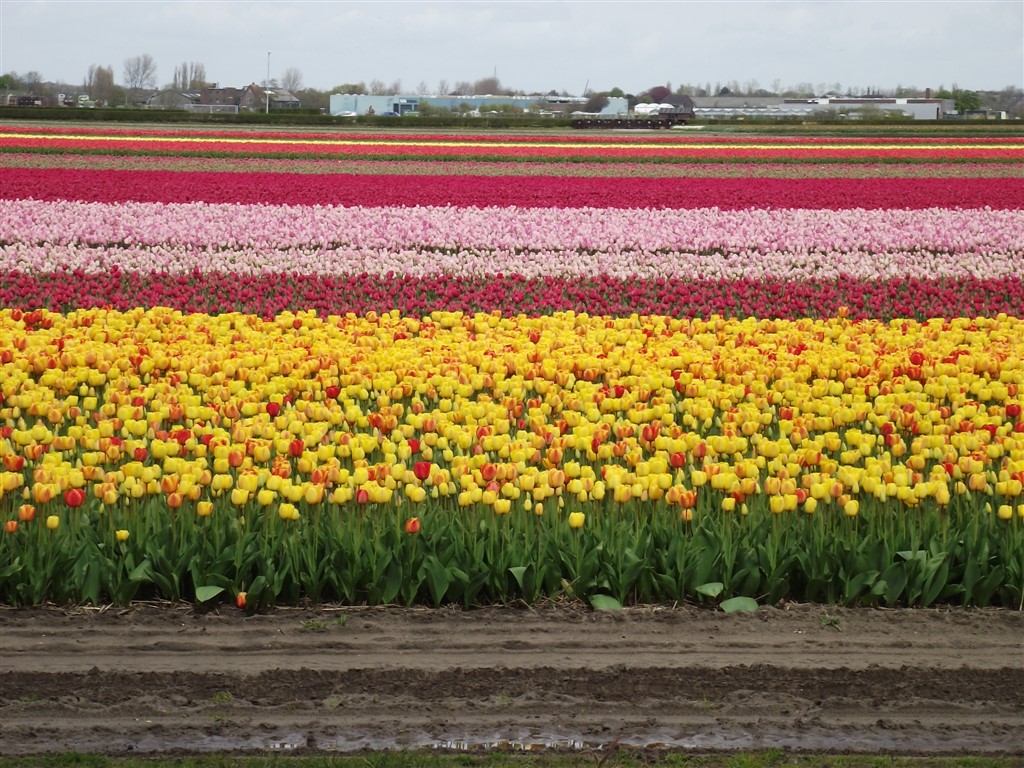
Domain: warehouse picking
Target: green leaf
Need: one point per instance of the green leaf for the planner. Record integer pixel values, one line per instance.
(258, 585)
(438, 580)
(739, 605)
(91, 583)
(917, 554)
(207, 593)
(11, 569)
(856, 585)
(392, 583)
(526, 578)
(142, 572)
(605, 603)
(711, 589)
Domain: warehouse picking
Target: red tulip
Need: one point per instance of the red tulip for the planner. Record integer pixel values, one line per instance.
(74, 497)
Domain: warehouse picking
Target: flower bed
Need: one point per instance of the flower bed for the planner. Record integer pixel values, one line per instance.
(466, 388)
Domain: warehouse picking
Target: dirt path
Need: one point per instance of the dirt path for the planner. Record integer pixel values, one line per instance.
(164, 679)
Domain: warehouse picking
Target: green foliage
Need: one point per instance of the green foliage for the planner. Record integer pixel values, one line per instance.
(966, 101)
(637, 552)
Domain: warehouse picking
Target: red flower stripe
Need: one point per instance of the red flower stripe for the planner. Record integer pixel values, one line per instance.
(535, 191)
(267, 295)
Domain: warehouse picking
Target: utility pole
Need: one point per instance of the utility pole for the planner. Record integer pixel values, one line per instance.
(266, 87)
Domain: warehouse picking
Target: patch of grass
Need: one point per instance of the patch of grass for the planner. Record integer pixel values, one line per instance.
(320, 625)
(831, 622)
(222, 697)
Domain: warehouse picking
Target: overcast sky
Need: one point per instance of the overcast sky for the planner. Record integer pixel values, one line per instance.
(531, 46)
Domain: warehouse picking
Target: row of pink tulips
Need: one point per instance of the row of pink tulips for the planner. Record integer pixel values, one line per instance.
(524, 192)
(534, 243)
(270, 294)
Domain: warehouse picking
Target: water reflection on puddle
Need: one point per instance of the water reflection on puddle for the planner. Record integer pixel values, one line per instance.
(814, 738)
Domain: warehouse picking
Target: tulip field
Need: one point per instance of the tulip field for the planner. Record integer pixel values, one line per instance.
(275, 368)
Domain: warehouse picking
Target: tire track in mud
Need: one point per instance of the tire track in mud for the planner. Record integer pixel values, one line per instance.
(166, 679)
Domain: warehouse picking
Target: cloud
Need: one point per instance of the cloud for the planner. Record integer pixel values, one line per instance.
(535, 46)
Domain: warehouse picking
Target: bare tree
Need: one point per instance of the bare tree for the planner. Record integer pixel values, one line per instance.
(442, 87)
(378, 88)
(395, 87)
(99, 83)
(291, 79)
(139, 73)
(487, 86)
(190, 75)
(463, 88)
(197, 78)
(422, 89)
(31, 80)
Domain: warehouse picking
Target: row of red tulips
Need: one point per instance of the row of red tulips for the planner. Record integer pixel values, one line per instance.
(535, 191)
(268, 295)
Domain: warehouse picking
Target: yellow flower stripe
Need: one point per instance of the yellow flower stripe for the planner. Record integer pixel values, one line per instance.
(638, 146)
(154, 402)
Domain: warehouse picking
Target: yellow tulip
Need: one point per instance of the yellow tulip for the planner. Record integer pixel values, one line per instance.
(576, 520)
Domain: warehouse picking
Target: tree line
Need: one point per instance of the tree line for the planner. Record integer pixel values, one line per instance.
(139, 80)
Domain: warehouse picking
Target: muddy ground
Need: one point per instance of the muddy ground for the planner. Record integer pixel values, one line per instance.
(162, 678)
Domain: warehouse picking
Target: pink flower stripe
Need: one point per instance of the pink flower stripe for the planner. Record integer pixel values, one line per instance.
(695, 244)
(576, 137)
(512, 191)
(411, 148)
(268, 295)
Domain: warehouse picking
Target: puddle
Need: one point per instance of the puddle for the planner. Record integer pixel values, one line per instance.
(805, 738)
